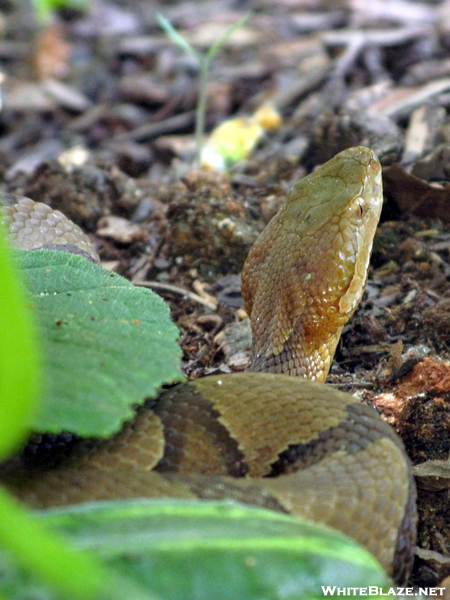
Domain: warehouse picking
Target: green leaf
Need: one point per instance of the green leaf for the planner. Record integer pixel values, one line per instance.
(19, 364)
(225, 551)
(37, 554)
(228, 33)
(107, 343)
(43, 9)
(177, 38)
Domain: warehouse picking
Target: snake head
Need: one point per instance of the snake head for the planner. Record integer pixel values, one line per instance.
(306, 273)
(338, 206)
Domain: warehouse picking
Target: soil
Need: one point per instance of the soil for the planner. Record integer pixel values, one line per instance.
(98, 118)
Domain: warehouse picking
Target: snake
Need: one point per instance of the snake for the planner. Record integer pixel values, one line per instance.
(273, 435)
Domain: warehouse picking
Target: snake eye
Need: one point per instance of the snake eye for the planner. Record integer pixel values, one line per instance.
(358, 207)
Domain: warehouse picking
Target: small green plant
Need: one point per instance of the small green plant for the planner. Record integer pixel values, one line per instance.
(43, 9)
(204, 61)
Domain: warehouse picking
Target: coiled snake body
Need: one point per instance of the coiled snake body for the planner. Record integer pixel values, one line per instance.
(290, 444)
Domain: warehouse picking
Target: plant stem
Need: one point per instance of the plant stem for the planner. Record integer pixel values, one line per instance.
(200, 112)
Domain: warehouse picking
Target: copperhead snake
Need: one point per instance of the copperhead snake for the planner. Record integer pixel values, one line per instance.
(287, 443)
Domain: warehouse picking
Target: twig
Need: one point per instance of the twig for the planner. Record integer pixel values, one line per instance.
(167, 287)
(153, 130)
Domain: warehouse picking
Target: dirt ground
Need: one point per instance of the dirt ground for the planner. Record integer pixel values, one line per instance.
(98, 116)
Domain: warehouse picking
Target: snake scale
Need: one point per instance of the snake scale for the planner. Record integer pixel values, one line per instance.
(290, 444)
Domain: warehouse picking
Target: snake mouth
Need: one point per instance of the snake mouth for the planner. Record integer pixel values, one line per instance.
(363, 215)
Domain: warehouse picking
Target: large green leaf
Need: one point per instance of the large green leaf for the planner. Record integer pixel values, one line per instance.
(19, 364)
(33, 554)
(107, 344)
(200, 551)
(29, 547)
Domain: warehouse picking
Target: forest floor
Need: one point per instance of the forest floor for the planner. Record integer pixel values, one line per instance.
(98, 119)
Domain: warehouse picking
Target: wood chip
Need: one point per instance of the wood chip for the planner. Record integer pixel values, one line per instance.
(119, 229)
(433, 475)
(402, 101)
(67, 96)
(436, 561)
(422, 132)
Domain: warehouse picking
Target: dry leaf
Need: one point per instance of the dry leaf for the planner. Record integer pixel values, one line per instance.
(51, 58)
(415, 196)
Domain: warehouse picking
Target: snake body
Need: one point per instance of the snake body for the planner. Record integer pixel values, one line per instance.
(286, 443)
